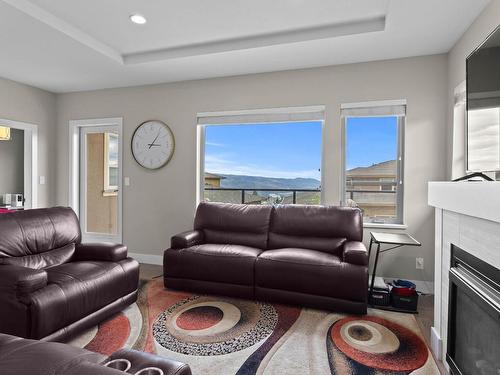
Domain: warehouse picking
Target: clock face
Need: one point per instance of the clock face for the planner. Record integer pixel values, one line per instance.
(153, 144)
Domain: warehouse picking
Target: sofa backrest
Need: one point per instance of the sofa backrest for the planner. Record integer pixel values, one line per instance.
(239, 224)
(38, 238)
(322, 228)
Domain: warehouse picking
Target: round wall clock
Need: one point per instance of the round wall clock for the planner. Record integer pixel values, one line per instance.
(153, 144)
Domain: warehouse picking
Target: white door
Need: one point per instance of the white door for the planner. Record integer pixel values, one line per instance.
(100, 183)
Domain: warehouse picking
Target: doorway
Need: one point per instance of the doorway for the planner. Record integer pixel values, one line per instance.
(96, 175)
(22, 159)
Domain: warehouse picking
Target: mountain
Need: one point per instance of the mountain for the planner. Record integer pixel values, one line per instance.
(256, 182)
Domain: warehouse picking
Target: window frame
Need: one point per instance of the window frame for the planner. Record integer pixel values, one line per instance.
(400, 222)
(255, 116)
(108, 190)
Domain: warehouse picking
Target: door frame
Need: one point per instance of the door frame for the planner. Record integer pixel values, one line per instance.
(74, 165)
(30, 160)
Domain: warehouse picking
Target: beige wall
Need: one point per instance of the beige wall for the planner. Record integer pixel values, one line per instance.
(28, 104)
(488, 20)
(12, 163)
(102, 210)
(161, 203)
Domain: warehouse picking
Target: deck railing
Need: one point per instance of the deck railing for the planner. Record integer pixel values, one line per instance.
(251, 195)
(374, 203)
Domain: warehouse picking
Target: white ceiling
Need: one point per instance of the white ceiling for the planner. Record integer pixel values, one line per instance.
(74, 45)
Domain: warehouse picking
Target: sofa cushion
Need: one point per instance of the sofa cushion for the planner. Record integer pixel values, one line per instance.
(77, 289)
(239, 224)
(333, 246)
(29, 232)
(44, 260)
(233, 264)
(322, 228)
(312, 272)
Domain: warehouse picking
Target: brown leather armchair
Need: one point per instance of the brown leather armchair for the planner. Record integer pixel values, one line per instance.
(52, 285)
(29, 357)
(297, 254)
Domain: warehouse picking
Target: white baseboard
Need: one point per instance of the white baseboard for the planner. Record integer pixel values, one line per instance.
(147, 258)
(436, 344)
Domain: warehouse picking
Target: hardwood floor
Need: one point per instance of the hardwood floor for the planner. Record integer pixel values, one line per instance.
(425, 320)
(150, 271)
(425, 316)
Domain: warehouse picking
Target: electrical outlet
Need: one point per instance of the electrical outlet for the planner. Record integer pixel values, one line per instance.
(419, 263)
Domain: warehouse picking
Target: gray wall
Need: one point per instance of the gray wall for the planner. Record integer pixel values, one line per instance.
(12, 163)
(28, 104)
(487, 21)
(161, 203)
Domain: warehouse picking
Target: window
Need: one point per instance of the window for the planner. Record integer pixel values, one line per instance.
(387, 184)
(373, 160)
(110, 164)
(261, 158)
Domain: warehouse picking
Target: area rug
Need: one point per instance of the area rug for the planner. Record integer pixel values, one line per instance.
(219, 335)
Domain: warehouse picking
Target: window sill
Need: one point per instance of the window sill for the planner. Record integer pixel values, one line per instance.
(385, 226)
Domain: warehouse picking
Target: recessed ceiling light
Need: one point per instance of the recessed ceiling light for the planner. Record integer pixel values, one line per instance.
(138, 19)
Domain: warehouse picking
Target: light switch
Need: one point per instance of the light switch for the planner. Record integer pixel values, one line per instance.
(126, 181)
(42, 180)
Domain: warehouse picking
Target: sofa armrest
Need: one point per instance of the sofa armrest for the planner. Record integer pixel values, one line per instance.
(141, 360)
(186, 239)
(22, 280)
(105, 251)
(355, 253)
(86, 368)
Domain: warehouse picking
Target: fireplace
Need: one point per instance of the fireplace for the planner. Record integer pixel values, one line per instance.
(473, 316)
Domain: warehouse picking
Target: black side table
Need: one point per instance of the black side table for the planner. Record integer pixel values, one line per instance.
(396, 240)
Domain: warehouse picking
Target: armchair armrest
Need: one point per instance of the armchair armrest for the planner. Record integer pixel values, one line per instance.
(22, 280)
(355, 253)
(186, 239)
(105, 251)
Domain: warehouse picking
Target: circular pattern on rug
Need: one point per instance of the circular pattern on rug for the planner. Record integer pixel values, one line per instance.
(379, 343)
(369, 337)
(207, 326)
(199, 318)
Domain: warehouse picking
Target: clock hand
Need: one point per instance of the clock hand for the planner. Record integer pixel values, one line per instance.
(154, 140)
(153, 144)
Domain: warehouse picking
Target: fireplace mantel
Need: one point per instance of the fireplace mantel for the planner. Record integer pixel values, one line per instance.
(468, 216)
(479, 199)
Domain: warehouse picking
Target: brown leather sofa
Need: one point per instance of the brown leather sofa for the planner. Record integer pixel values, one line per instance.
(51, 284)
(297, 254)
(29, 357)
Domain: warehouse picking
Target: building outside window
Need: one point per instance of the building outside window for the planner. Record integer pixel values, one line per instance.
(270, 157)
(374, 160)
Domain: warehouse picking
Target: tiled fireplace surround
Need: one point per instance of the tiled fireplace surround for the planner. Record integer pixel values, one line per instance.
(468, 216)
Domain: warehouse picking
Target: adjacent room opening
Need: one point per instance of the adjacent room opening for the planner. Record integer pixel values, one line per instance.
(19, 165)
(96, 178)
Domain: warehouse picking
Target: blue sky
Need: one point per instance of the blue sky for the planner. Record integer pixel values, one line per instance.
(285, 150)
(370, 140)
(291, 150)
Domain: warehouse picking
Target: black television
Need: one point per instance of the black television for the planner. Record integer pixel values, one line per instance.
(483, 106)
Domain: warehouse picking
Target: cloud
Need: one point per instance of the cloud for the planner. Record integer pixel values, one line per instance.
(224, 164)
(215, 144)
